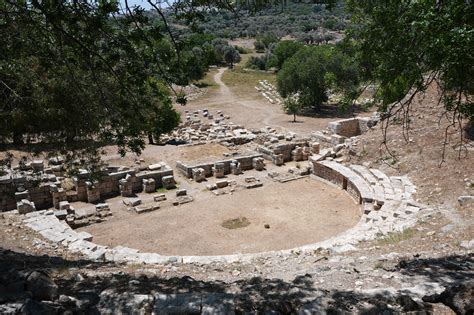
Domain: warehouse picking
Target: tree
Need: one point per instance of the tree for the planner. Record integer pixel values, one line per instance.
(76, 75)
(406, 46)
(291, 106)
(231, 56)
(259, 46)
(312, 71)
(267, 39)
(283, 51)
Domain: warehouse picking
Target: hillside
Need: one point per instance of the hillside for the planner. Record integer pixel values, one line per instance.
(296, 20)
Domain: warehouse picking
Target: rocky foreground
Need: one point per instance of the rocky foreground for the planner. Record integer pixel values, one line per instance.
(428, 269)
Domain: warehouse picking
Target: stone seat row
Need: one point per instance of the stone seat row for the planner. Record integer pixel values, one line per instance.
(395, 214)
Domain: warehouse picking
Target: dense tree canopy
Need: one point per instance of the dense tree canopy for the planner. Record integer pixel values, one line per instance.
(73, 72)
(283, 51)
(406, 46)
(312, 71)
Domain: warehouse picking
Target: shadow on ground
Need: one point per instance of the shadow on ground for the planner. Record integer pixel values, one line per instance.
(27, 285)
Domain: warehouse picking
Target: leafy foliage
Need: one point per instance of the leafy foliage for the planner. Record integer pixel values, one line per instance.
(406, 46)
(312, 71)
(283, 51)
(292, 106)
(282, 18)
(77, 73)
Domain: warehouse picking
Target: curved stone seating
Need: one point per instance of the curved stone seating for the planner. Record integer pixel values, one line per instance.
(345, 178)
(387, 203)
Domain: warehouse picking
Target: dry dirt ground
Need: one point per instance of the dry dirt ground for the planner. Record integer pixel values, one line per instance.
(299, 212)
(238, 98)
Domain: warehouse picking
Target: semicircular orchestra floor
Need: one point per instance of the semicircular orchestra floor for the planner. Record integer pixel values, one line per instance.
(300, 212)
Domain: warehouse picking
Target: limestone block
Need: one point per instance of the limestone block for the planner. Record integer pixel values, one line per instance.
(258, 163)
(222, 183)
(126, 187)
(25, 206)
(168, 182)
(102, 207)
(278, 159)
(159, 197)
(235, 167)
(132, 202)
(199, 174)
(85, 236)
(20, 195)
(181, 192)
(64, 205)
(93, 192)
(60, 214)
(148, 185)
(182, 200)
(58, 194)
(37, 165)
(337, 139)
(218, 170)
(145, 208)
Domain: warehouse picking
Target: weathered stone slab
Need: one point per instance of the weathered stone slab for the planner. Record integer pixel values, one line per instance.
(132, 202)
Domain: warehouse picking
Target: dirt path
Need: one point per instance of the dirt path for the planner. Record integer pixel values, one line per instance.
(251, 110)
(267, 112)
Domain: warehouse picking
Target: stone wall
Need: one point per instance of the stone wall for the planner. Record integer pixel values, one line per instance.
(39, 193)
(271, 151)
(344, 178)
(245, 164)
(12, 190)
(349, 127)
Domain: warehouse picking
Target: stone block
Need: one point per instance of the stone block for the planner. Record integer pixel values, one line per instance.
(156, 167)
(182, 200)
(315, 146)
(258, 163)
(199, 174)
(132, 202)
(20, 195)
(25, 206)
(37, 165)
(235, 167)
(159, 197)
(168, 182)
(126, 187)
(218, 170)
(222, 183)
(102, 207)
(278, 159)
(61, 214)
(181, 192)
(148, 185)
(93, 192)
(64, 205)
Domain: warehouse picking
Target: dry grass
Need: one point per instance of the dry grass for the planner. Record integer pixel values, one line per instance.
(242, 81)
(397, 237)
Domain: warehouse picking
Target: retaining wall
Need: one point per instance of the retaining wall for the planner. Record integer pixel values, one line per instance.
(245, 164)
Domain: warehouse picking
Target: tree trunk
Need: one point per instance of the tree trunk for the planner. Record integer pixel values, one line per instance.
(17, 138)
(150, 138)
(294, 117)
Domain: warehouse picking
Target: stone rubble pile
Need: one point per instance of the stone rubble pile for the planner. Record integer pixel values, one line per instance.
(29, 188)
(202, 126)
(269, 92)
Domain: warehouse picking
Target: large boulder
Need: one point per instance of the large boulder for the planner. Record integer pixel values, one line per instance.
(41, 286)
